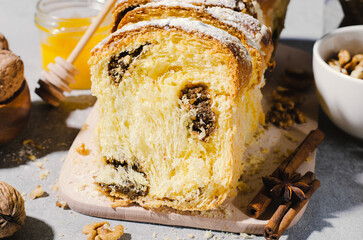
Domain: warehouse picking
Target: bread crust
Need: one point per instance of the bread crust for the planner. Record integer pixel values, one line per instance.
(243, 66)
(122, 7)
(260, 60)
(272, 13)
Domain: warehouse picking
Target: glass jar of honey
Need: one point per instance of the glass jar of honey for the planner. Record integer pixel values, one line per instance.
(62, 23)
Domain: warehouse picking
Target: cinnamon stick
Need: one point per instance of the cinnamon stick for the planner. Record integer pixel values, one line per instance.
(275, 220)
(293, 211)
(259, 204)
(307, 178)
(261, 201)
(302, 152)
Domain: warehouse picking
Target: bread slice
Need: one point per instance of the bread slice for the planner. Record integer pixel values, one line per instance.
(272, 13)
(255, 36)
(175, 112)
(124, 6)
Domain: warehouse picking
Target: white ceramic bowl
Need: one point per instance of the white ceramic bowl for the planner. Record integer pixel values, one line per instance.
(340, 96)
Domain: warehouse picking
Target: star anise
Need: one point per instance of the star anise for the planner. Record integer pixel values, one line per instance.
(286, 187)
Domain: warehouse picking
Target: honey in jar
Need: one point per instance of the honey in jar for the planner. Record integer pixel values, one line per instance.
(62, 23)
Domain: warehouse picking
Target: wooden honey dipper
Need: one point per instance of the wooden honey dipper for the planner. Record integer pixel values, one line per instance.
(52, 84)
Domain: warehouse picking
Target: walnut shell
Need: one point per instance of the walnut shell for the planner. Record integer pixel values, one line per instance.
(12, 210)
(3, 43)
(11, 74)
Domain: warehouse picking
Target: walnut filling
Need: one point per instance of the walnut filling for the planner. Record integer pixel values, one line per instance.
(128, 187)
(125, 165)
(197, 100)
(121, 62)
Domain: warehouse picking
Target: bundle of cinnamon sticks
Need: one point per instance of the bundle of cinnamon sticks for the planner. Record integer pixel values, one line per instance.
(287, 210)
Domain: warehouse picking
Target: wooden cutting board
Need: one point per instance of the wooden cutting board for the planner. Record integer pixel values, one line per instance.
(262, 157)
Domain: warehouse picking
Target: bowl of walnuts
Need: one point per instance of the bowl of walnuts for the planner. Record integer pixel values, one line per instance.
(338, 73)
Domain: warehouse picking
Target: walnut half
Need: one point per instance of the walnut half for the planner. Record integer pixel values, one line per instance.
(285, 110)
(12, 210)
(103, 231)
(4, 45)
(348, 65)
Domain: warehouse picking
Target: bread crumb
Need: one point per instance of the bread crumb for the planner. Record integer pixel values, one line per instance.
(242, 186)
(28, 142)
(82, 150)
(82, 187)
(154, 235)
(54, 187)
(208, 235)
(40, 165)
(44, 174)
(291, 138)
(32, 157)
(255, 163)
(40, 147)
(76, 161)
(276, 151)
(36, 193)
(84, 127)
(191, 235)
(246, 236)
(62, 204)
(264, 150)
(17, 160)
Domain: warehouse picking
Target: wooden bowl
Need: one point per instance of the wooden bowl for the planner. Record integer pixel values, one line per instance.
(14, 114)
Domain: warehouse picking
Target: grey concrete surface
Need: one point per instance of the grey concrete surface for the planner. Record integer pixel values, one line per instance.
(335, 212)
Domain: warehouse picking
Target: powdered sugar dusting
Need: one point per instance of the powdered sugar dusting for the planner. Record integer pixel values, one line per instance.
(186, 25)
(233, 4)
(250, 26)
(245, 23)
(170, 4)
